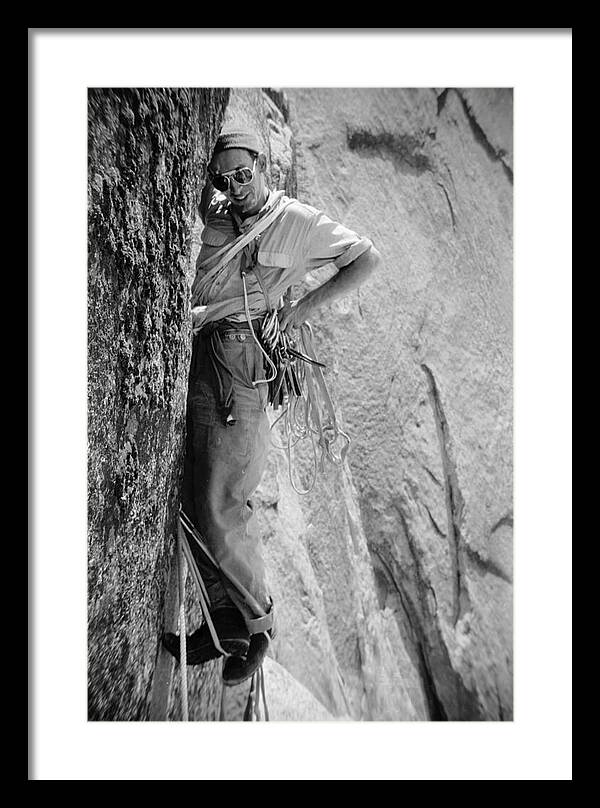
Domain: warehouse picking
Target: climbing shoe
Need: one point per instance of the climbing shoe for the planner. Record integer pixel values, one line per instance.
(232, 633)
(237, 669)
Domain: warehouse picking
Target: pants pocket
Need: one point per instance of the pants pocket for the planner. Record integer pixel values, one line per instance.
(231, 443)
(255, 368)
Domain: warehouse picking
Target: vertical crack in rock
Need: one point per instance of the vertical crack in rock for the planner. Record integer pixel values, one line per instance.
(449, 201)
(481, 137)
(433, 477)
(454, 500)
(436, 527)
(401, 576)
(292, 179)
(361, 667)
(501, 714)
(281, 142)
(404, 603)
(279, 98)
(418, 644)
(434, 703)
(446, 180)
(441, 100)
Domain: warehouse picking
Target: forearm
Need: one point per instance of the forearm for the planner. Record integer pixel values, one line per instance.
(342, 283)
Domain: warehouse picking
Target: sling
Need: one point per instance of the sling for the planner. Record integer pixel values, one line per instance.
(201, 285)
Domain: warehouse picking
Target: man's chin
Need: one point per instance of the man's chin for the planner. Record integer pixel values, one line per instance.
(245, 207)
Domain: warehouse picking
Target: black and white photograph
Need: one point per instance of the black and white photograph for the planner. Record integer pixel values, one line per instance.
(300, 413)
(298, 468)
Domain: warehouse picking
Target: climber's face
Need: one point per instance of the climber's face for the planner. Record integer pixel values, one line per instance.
(240, 175)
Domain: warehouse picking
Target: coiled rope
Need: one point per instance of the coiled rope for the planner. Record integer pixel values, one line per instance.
(307, 410)
(294, 375)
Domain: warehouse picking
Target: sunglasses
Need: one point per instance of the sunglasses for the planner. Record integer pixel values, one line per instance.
(242, 176)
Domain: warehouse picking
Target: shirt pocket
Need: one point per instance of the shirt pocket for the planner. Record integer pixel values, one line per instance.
(212, 240)
(213, 237)
(268, 258)
(277, 271)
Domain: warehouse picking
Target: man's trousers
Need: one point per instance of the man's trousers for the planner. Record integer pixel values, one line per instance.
(224, 465)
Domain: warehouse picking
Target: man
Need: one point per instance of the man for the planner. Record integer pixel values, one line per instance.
(256, 244)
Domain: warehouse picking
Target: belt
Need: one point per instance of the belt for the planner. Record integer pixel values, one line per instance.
(229, 330)
(231, 336)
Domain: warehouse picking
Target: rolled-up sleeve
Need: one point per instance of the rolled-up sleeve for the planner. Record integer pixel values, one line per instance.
(331, 242)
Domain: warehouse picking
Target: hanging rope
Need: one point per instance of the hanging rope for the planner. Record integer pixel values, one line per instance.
(202, 593)
(222, 705)
(257, 691)
(186, 562)
(193, 533)
(182, 631)
(262, 690)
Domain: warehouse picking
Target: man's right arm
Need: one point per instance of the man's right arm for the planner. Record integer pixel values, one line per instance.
(205, 199)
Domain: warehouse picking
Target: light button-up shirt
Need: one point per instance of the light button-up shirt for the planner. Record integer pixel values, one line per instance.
(300, 240)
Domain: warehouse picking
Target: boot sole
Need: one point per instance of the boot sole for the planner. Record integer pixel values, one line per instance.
(236, 671)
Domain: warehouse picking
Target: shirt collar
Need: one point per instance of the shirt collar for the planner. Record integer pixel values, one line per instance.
(250, 221)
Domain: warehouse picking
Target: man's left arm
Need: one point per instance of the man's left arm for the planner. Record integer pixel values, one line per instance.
(347, 278)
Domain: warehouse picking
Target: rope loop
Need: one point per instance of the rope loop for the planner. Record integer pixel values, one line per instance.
(307, 411)
(255, 694)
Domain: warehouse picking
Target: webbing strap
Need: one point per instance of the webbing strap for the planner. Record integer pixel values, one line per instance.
(238, 244)
(229, 251)
(260, 624)
(193, 532)
(201, 592)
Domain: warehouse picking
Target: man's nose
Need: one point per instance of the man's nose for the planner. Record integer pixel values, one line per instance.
(234, 186)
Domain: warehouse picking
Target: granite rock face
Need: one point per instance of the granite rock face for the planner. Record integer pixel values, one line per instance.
(392, 578)
(146, 154)
(420, 363)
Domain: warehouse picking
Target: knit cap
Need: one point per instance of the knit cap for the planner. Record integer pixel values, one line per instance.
(237, 139)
